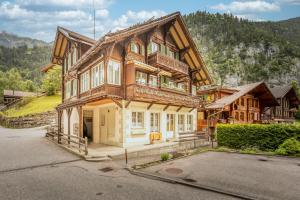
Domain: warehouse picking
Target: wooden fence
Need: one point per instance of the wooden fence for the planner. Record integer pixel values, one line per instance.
(73, 141)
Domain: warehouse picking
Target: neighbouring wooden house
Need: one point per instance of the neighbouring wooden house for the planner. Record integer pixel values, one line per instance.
(130, 87)
(11, 96)
(243, 104)
(288, 104)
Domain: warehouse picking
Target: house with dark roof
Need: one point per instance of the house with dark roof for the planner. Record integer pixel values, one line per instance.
(242, 104)
(288, 104)
(131, 87)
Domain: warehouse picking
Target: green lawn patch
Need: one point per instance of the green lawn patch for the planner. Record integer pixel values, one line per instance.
(34, 105)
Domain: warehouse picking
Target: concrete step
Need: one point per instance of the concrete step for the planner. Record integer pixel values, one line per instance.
(97, 158)
(187, 135)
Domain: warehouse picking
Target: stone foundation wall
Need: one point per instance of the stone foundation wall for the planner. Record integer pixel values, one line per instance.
(30, 121)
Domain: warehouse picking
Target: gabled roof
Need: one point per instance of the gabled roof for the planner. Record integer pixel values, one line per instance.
(287, 90)
(259, 88)
(177, 30)
(62, 37)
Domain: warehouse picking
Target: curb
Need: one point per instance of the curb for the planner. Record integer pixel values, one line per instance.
(197, 186)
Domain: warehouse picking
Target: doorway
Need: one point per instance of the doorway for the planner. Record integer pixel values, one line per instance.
(88, 124)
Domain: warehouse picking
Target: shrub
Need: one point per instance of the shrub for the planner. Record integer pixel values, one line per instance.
(261, 136)
(289, 147)
(164, 156)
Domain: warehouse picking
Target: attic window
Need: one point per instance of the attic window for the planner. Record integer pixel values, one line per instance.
(134, 47)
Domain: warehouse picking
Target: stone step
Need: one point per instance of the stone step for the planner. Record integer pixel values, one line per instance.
(97, 158)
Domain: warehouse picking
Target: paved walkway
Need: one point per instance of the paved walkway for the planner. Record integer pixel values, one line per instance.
(258, 176)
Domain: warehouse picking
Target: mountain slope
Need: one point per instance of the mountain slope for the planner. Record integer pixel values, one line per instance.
(239, 51)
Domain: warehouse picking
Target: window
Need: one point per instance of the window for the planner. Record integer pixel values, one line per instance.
(85, 81)
(242, 118)
(137, 119)
(181, 123)
(236, 116)
(153, 81)
(189, 123)
(101, 77)
(74, 87)
(66, 64)
(69, 61)
(170, 53)
(114, 74)
(154, 122)
(152, 47)
(242, 102)
(194, 90)
(163, 49)
(74, 56)
(181, 86)
(170, 122)
(95, 76)
(68, 89)
(237, 101)
(141, 78)
(252, 116)
(134, 47)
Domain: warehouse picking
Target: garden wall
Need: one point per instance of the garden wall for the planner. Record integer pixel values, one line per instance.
(30, 121)
(261, 136)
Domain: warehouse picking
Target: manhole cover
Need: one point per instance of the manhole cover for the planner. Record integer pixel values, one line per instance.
(189, 180)
(174, 170)
(263, 160)
(106, 169)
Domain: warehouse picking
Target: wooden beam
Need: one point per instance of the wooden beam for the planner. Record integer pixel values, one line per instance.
(127, 104)
(166, 107)
(150, 105)
(179, 108)
(117, 102)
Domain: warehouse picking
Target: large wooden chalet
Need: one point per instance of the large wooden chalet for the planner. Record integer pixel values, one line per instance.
(130, 87)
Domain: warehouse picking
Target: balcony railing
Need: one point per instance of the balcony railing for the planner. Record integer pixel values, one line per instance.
(168, 63)
(150, 94)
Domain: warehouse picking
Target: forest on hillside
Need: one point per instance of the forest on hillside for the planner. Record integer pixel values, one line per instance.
(239, 51)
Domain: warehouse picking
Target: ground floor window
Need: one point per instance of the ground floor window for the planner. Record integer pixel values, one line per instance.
(189, 124)
(154, 122)
(236, 116)
(170, 122)
(242, 116)
(181, 123)
(137, 119)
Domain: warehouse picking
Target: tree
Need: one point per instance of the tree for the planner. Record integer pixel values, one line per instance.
(297, 89)
(52, 81)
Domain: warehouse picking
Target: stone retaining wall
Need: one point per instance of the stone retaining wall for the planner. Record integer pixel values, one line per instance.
(30, 121)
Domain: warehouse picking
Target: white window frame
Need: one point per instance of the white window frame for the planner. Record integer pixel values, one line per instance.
(153, 83)
(74, 56)
(116, 79)
(95, 76)
(101, 71)
(74, 87)
(135, 123)
(194, 90)
(85, 81)
(170, 126)
(154, 122)
(68, 89)
(189, 122)
(141, 78)
(134, 47)
(181, 122)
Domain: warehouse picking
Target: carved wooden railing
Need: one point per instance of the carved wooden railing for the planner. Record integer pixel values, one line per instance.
(157, 59)
(145, 93)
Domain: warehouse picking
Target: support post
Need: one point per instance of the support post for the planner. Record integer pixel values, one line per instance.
(85, 145)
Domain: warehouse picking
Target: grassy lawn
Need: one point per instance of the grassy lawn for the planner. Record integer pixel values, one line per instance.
(36, 105)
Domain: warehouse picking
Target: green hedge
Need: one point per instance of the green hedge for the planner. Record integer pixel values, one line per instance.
(264, 137)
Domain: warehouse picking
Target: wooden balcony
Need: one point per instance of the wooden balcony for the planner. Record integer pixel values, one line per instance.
(151, 94)
(167, 63)
(102, 91)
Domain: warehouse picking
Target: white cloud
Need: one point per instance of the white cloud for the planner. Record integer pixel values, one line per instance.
(68, 3)
(290, 2)
(247, 6)
(250, 17)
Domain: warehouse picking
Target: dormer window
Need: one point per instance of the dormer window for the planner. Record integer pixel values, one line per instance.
(134, 48)
(152, 48)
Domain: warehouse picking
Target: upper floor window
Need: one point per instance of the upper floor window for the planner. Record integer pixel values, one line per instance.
(194, 90)
(74, 56)
(69, 61)
(114, 72)
(85, 81)
(242, 101)
(68, 89)
(134, 47)
(153, 81)
(152, 48)
(141, 78)
(170, 53)
(74, 87)
(98, 75)
(66, 64)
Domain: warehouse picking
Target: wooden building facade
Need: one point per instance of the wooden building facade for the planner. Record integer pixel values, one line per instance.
(131, 87)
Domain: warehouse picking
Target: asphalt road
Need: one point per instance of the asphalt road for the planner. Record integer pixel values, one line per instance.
(260, 177)
(33, 168)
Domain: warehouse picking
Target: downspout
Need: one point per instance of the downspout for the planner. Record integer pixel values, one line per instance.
(208, 122)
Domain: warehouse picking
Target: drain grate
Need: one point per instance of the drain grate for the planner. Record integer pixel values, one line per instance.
(189, 180)
(174, 170)
(106, 169)
(263, 160)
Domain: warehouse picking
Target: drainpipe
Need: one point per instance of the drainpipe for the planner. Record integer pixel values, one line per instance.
(208, 122)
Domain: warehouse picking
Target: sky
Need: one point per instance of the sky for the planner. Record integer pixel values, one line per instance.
(39, 19)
